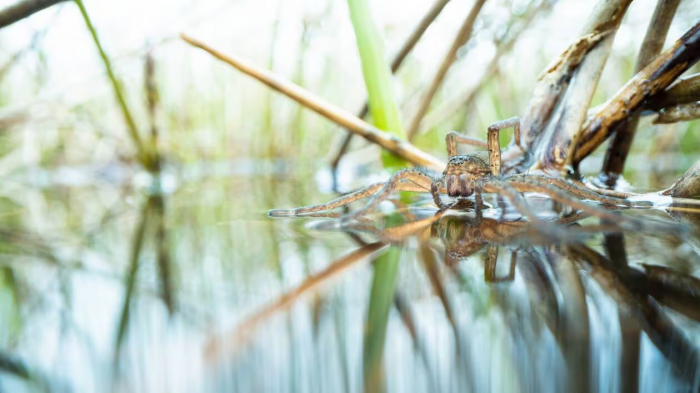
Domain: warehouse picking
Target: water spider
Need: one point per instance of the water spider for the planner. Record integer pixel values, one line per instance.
(474, 174)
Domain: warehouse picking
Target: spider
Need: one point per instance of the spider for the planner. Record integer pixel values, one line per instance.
(474, 174)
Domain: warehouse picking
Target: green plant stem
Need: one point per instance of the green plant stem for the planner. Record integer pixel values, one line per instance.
(377, 74)
(144, 155)
(386, 269)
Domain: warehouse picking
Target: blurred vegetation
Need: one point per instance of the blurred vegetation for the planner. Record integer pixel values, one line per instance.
(74, 199)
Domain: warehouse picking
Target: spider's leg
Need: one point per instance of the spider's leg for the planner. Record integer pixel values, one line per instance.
(478, 200)
(405, 180)
(491, 263)
(435, 189)
(494, 144)
(567, 200)
(453, 137)
(511, 192)
(581, 192)
(341, 201)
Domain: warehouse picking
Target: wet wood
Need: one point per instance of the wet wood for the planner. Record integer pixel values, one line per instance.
(685, 91)
(551, 84)
(653, 79)
(330, 111)
(618, 150)
(552, 91)
(688, 185)
(570, 114)
(678, 113)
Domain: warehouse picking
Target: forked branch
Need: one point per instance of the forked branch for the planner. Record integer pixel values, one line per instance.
(653, 79)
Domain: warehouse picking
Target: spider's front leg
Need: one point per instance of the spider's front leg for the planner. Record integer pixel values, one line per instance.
(494, 144)
(338, 202)
(404, 180)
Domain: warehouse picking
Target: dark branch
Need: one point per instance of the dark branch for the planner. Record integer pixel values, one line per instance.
(24, 9)
(653, 43)
(652, 80)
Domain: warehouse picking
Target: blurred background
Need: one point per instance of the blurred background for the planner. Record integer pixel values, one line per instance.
(115, 278)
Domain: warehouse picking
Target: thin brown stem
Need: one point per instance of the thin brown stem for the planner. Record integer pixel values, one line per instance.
(462, 37)
(407, 47)
(464, 99)
(331, 112)
(619, 148)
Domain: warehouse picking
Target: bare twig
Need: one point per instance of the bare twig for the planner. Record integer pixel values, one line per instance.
(654, 78)
(462, 37)
(464, 99)
(407, 47)
(618, 150)
(332, 112)
(573, 107)
(688, 185)
(24, 9)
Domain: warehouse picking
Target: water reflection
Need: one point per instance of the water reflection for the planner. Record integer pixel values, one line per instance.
(577, 290)
(198, 290)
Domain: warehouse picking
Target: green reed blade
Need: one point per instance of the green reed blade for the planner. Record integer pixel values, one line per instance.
(144, 155)
(386, 269)
(377, 74)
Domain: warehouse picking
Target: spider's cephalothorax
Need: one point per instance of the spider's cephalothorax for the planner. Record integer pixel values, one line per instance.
(461, 173)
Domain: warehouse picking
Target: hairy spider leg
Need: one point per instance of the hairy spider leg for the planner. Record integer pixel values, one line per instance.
(492, 261)
(494, 144)
(581, 192)
(453, 137)
(563, 198)
(507, 190)
(435, 191)
(414, 180)
(338, 202)
(404, 180)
